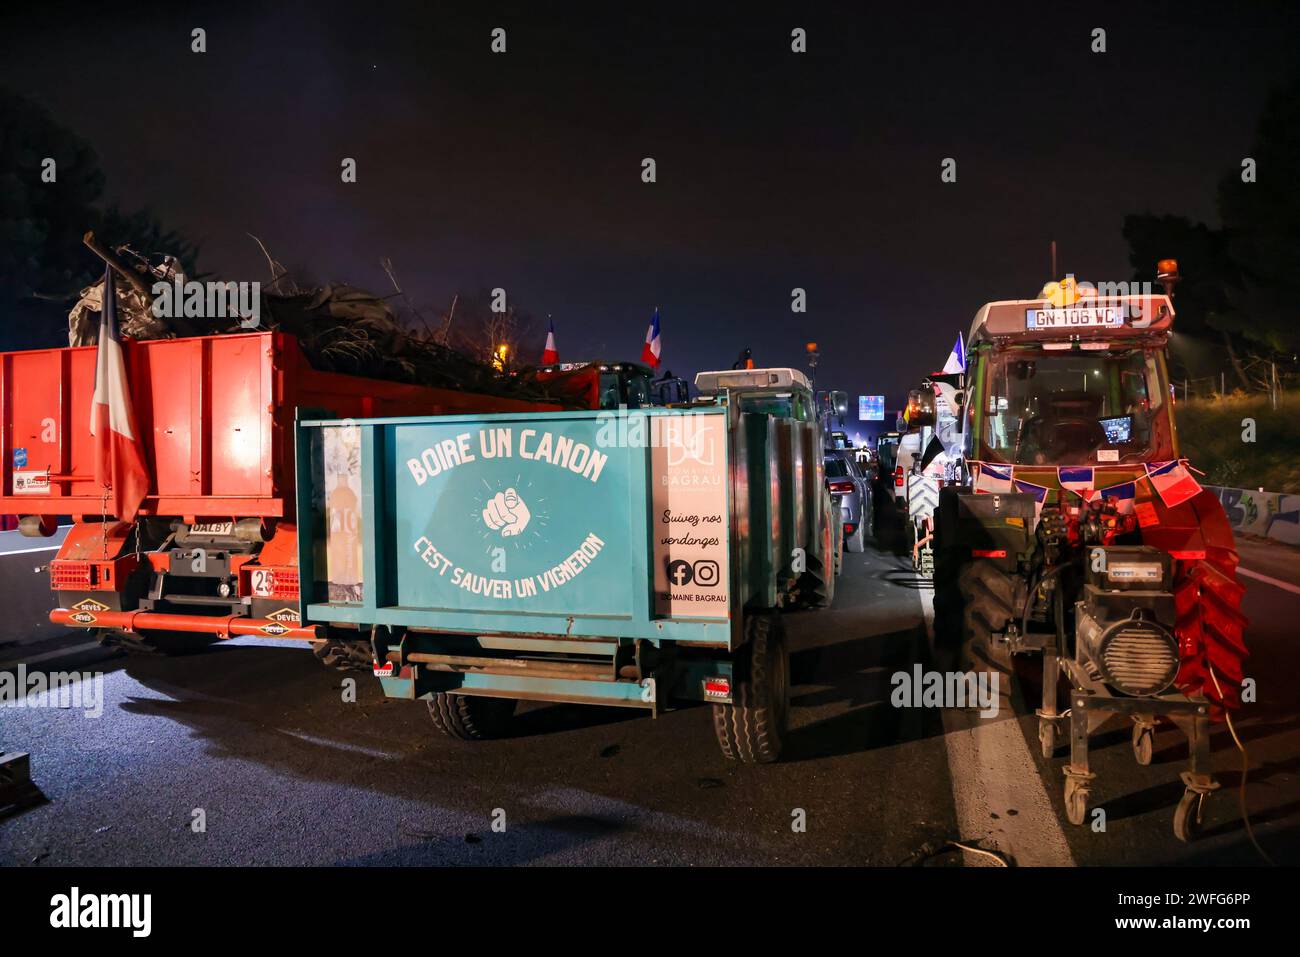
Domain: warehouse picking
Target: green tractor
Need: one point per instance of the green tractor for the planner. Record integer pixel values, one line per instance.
(1079, 534)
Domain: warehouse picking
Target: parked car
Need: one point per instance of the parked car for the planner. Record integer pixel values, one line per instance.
(851, 491)
(906, 454)
(868, 462)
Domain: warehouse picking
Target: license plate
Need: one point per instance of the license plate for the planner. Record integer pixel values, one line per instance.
(212, 528)
(1075, 317)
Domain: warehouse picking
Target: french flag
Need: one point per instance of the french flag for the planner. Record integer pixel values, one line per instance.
(1123, 494)
(1078, 480)
(993, 479)
(653, 348)
(1172, 482)
(1039, 492)
(550, 355)
(956, 359)
(119, 453)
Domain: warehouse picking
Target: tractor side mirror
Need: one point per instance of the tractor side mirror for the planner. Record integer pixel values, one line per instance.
(920, 409)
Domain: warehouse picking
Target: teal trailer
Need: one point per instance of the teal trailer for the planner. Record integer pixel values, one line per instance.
(616, 557)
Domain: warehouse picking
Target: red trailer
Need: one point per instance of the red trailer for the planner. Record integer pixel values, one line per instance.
(214, 551)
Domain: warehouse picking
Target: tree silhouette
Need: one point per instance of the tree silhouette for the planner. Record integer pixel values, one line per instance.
(43, 264)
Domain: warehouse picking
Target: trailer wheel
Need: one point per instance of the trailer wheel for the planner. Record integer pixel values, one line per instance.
(752, 729)
(344, 654)
(161, 643)
(470, 717)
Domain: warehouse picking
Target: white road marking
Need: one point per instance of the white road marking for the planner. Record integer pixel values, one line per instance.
(17, 538)
(993, 772)
(1275, 582)
(28, 551)
(59, 653)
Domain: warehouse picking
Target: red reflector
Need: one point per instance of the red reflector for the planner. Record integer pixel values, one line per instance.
(717, 687)
(279, 582)
(989, 552)
(1188, 556)
(849, 528)
(66, 575)
(286, 584)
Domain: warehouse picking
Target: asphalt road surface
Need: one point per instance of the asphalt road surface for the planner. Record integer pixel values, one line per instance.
(254, 740)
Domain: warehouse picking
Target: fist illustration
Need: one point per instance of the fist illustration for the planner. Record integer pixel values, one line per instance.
(506, 511)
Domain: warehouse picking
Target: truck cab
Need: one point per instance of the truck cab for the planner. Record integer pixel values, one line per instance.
(610, 385)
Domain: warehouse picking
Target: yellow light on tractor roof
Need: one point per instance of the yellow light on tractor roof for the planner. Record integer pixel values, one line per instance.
(1063, 293)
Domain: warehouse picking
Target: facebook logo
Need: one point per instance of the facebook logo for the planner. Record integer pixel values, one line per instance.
(680, 573)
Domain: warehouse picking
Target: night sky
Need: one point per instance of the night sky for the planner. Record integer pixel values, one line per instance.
(775, 169)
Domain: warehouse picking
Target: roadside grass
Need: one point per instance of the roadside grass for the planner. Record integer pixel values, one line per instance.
(1210, 432)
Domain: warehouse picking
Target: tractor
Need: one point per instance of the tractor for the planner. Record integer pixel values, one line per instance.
(1079, 533)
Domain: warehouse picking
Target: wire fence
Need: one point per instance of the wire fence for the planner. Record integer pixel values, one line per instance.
(1256, 378)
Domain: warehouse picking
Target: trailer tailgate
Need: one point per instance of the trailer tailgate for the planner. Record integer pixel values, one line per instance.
(564, 524)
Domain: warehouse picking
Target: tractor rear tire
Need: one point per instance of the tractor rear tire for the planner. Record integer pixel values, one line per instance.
(991, 599)
(471, 717)
(945, 641)
(753, 728)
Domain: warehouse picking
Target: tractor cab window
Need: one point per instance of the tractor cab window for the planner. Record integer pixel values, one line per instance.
(621, 388)
(782, 405)
(638, 391)
(1070, 408)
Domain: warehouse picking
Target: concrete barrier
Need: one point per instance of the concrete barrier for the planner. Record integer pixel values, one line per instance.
(1274, 515)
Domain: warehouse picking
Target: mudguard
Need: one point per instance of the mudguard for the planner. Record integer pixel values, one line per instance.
(1207, 598)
